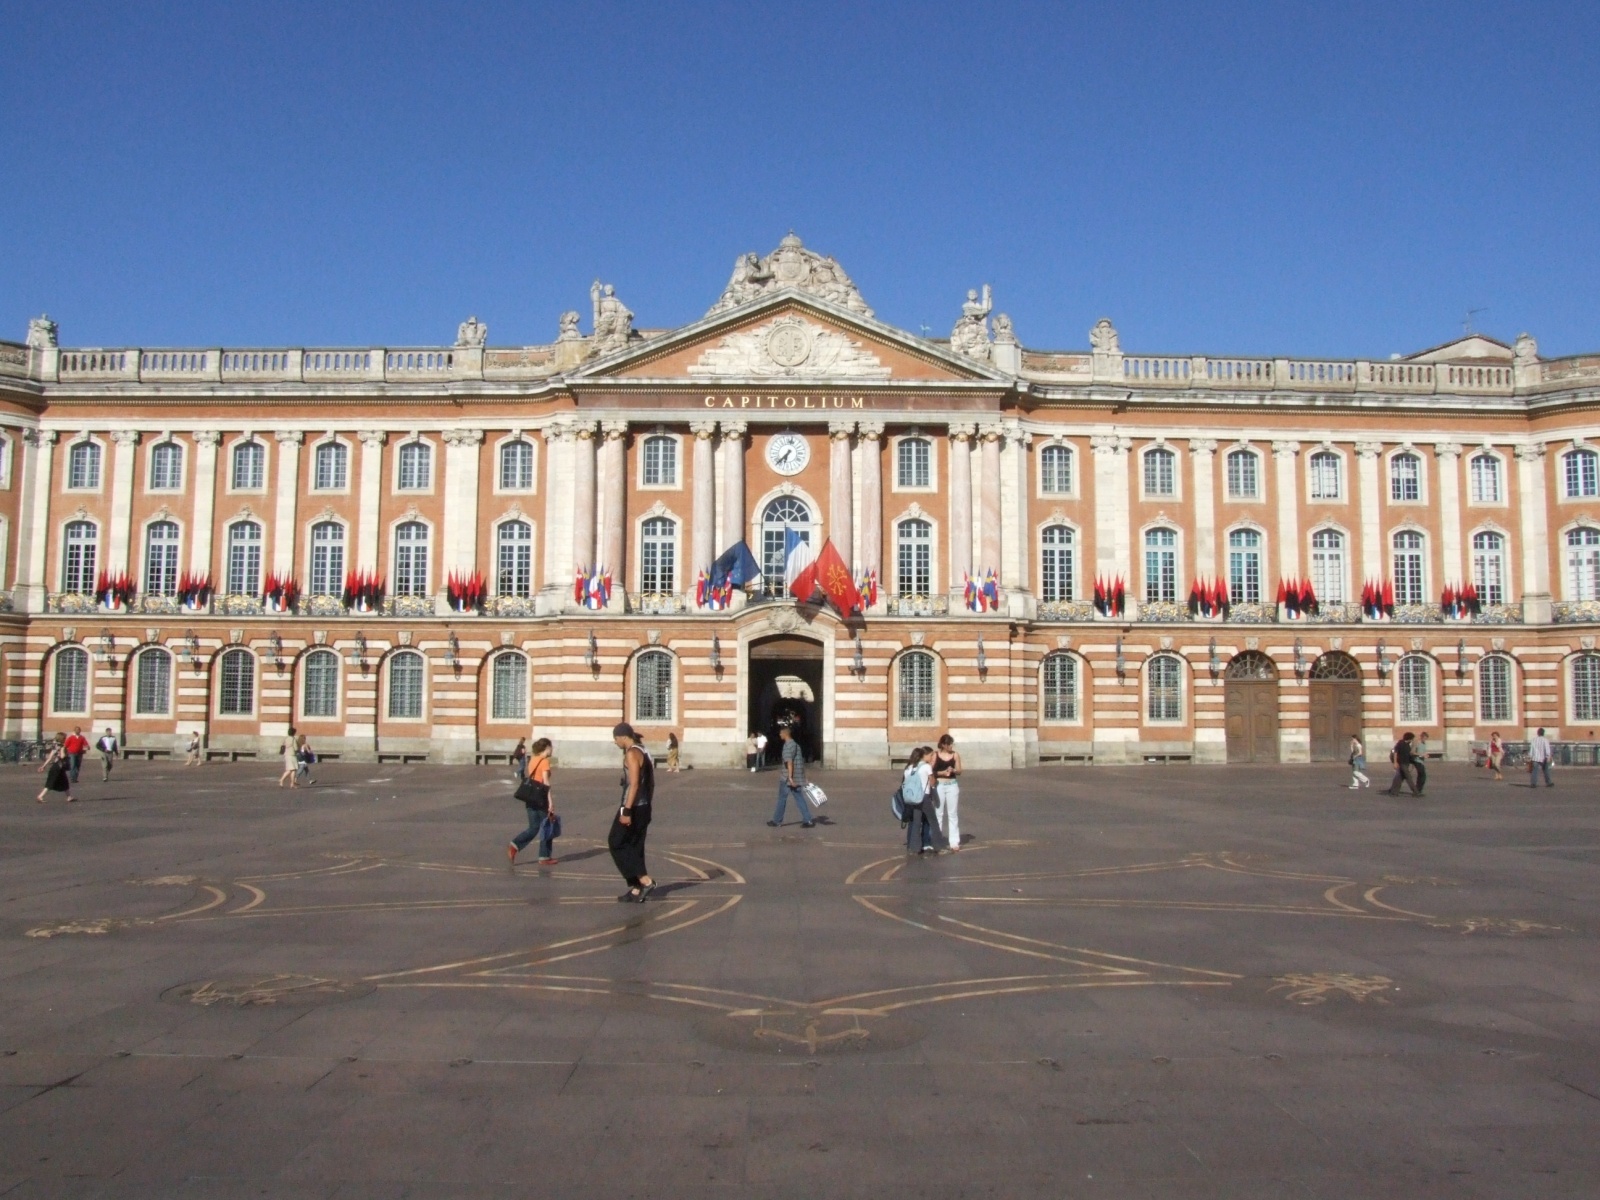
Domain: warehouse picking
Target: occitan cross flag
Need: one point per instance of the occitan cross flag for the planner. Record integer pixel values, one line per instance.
(829, 575)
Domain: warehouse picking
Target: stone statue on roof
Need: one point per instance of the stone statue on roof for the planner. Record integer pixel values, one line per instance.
(971, 334)
(42, 332)
(1103, 338)
(472, 332)
(791, 265)
(613, 320)
(569, 327)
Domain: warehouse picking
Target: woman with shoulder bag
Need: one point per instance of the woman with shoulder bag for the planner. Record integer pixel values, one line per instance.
(536, 796)
(1358, 764)
(919, 796)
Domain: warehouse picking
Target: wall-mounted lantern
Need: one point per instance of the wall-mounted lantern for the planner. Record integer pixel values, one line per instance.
(275, 650)
(1383, 659)
(452, 651)
(191, 649)
(716, 653)
(591, 655)
(858, 664)
(1122, 661)
(983, 659)
(1461, 658)
(358, 652)
(108, 645)
(1299, 659)
(1213, 661)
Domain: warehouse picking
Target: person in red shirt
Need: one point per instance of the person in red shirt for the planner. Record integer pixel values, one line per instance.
(75, 747)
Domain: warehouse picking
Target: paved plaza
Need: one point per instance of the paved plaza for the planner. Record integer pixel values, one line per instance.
(1158, 981)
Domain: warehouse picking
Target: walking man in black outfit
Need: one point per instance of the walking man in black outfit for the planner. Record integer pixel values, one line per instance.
(632, 821)
(1403, 756)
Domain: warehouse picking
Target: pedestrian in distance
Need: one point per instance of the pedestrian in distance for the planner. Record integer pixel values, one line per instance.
(1403, 756)
(632, 822)
(918, 796)
(1497, 754)
(519, 761)
(672, 753)
(1358, 764)
(750, 752)
(305, 758)
(192, 753)
(946, 766)
(791, 780)
(538, 798)
(107, 745)
(1539, 756)
(57, 775)
(76, 746)
(289, 752)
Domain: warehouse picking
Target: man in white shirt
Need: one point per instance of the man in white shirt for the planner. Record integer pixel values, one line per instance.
(107, 745)
(1539, 757)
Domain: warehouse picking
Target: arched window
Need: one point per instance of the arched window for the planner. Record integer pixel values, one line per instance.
(658, 556)
(1164, 682)
(1494, 689)
(915, 686)
(1583, 564)
(319, 694)
(1489, 567)
(652, 686)
(238, 671)
(1325, 481)
(152, 691)
(161, 559)
(405, 686)
(660, 461)
(914, 463)
(1327, 565)
(411, 559)
(516, 465)
(332, 467)
(1055, 471)
(1582, 473)
(82, 552)
(416, 466)
(244, 558)
(83, 466)
(1057, 570)
(166, 467)
(913, 557)
(1244, 475)
(1586, 687)
(1160, 566)
(1416, 688)
(514, 559)
(783, 516)
(1160, 472)
(1059, 681)
(71, 691)
(508, 700)
(1409, 584)
(1244, 566)
(249, 466)
(1405, 477)
(1484, 474)
(327, 559)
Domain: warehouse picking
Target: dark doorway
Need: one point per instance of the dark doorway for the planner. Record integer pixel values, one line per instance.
(1335, 706)
(786, 688)
(1250, 696)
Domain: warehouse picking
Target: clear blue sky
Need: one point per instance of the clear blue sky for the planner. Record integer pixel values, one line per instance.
(1341, 179)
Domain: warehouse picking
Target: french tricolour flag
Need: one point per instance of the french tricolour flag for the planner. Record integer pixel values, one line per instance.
(797, 556)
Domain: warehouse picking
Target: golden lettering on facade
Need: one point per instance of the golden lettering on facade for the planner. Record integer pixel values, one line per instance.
(727, 401)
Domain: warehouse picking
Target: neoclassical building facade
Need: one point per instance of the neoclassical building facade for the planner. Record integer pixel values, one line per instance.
(427, 553)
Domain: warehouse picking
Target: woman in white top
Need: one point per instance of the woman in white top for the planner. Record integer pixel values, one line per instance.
(922, 828)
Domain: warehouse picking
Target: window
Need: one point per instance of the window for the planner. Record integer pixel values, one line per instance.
(244, 558)
(327, 559)
(1056, 574)
(1055, 471)
(914, 558)
(914, 463)
(161, 559)
(1489, 567)
(1583, 563)
(1484, 479)
(1416, 684)
(77, 567)
(331, 471)
(509, 688)
(1165, 680)
(1494, 689)
(660, 461)
(658, 553)
(72, 680)
(1327, 566)
(411, 559)
(1405, 477)
(781, 516)
(319, 696)
(83, 466)
(1583, 473)
(1586, 687)
(916, 686)
(1244, 482)
(405, 686)
(416, 466)
(652, 686)
(514, 560)
(516, 466)
(1160, 472)
(1324, 468)
(1060, 687)
(1408, 581)
(152, 692)
(166, 467)
(238, 684)
(1244, 566)
(1160, 566)
(249, 467)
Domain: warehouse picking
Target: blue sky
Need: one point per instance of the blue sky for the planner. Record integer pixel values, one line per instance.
(1282, 178)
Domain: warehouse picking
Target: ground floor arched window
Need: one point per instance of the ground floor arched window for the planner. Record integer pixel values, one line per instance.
(1416, 688)
(1059, 682)
(915, 686)
(152, 690)
(405, 687)
(238, 694)
(508, 700)
(320, 690)
(1494, 689)
(1164, 683)
(1586, 687)
(70, 693)
(652, 686)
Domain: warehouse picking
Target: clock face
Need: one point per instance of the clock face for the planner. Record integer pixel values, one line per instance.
(788, 453)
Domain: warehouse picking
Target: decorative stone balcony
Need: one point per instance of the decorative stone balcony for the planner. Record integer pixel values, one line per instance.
(509, 606)
(1065, 610)
(657, 603)
(1565, 612)
(918, 606)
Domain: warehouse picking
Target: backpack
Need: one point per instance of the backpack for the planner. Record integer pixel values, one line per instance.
(911, 789)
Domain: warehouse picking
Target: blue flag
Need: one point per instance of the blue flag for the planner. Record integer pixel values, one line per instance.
(735, 565)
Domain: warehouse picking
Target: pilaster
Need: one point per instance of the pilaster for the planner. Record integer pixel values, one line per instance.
(206, 442)
(960, 512)
(1286, 456)
(613, 503)
(583, 505)
(1536, 607)
(1452, 562)
(841, 488)
(283, 526)
(34, 541)
(990, 522)
(702, 551)
(1203, 462)
(368, 512)
(125, 443)
(870, 434)
(1372, 556)
(1014, 541)
(733, 514)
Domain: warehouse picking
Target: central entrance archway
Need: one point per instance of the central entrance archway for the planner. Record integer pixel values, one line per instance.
(786, 686)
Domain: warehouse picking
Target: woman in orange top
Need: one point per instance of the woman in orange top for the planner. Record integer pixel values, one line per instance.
(536, 795)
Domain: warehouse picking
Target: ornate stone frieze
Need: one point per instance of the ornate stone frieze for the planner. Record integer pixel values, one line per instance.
(791, 348)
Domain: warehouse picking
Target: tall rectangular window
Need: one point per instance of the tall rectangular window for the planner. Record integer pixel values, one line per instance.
(1409, 584)
(153, 691)
(916, 701)
(1405, 477)
(1324, 468)
(660, 461)
(1160, 566)
(166, 467)
(914, 558)
(1327, 566)
(1056, 572)
(914, 463)
(411, 559)
(161, 559)
(1484, 471)
(1416, 689)
(1055, 471)
(1160, 472)
(1244, 481)
(327, 559)
(416, 466)
(244, 558)
(1494, 689)
(249, 466)
(1165, 684)
(1244, 566)
(514, 560)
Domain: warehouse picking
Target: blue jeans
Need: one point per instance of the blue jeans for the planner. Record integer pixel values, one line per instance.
(785, 790)
(535, 822)
(1539, 766)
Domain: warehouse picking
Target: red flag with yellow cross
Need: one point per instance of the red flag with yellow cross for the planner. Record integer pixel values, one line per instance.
(829, 575)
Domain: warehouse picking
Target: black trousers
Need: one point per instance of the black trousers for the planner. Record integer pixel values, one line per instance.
(627, 844)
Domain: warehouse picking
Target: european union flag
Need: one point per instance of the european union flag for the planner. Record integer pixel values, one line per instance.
(735, 565)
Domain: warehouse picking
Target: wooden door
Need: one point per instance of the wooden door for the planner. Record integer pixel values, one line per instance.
(1335, 718)
(1252, 719)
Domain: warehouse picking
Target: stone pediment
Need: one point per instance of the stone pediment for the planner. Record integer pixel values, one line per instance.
(788, 347)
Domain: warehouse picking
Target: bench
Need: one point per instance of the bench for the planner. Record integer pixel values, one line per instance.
(147, 752)
(493, 758)
(402, 756)
(1065, 758)
(229, 755)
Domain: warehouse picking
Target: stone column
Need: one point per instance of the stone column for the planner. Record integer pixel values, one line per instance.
(870, 434)
(459, 551)
(1015, 541)
(702, 535)
(733, 515)
(1112, 536)
(370, 496)
(1453, 564)
(284, 531)
(35, 519)
(613, 504)
(989, 520)
(1203, 459)
(1372, 556)
(123, 470)
(1285, 455)
(205, 499)
(583, 505)
(1536, 599)
(841, 489)
(960, 506)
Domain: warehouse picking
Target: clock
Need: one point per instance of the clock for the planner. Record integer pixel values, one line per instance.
(788, 453)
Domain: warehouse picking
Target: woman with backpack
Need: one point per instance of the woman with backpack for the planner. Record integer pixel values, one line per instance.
(537, 798)
(917, 795)
(304, 757)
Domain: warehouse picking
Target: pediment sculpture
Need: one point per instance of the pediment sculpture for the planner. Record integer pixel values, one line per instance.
(789, 347)
(791, 265)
